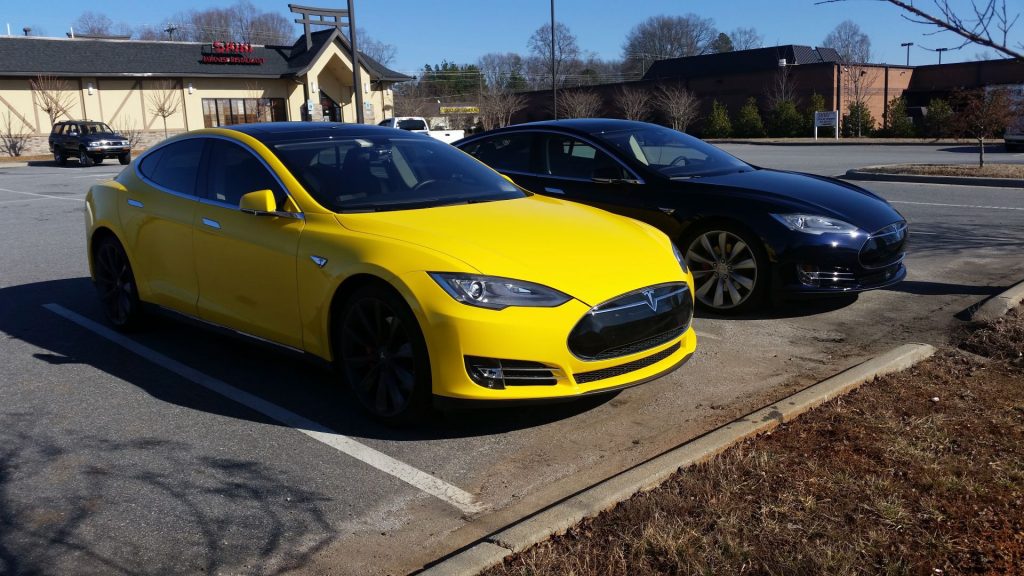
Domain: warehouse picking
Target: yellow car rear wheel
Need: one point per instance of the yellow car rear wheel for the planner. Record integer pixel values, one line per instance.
(382, 354)
(115, 284)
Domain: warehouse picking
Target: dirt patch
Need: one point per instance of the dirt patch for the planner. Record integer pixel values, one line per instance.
(1012, 171)
(921, 472)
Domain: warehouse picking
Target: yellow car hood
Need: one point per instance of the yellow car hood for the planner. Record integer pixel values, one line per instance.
(587, 253)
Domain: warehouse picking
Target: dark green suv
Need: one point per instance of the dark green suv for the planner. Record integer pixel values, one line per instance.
(89, 141)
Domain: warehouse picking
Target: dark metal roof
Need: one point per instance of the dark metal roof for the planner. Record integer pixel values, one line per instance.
(739, 61)
(29, 56)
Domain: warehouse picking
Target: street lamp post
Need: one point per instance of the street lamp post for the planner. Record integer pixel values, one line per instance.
(907, 45)
(554, 89)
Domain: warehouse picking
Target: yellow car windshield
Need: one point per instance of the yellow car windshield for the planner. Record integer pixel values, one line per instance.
(374, 173)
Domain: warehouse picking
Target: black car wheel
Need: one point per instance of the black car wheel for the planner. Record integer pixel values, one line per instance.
(84, 159)
(60, 158)
(124, 158)
(115, 284)
(729, 267)
(383, 356)
(97, 160)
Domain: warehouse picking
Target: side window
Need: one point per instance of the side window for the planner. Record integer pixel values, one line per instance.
(175, 166)
(233, 172)
(567, 157)
(504, 152)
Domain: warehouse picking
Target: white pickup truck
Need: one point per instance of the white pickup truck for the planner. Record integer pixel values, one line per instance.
(419, 125)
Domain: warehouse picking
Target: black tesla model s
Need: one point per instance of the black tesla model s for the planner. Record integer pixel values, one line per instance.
(746, 232)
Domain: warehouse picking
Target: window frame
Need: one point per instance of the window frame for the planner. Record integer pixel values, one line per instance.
(137, 165)
(538, 135)
(204, 168)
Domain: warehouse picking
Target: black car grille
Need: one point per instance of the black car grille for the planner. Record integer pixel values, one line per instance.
(884, 247)
(633, 322)
(595, 375)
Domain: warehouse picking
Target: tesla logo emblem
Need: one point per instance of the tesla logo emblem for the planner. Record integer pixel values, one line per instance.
(651, 301)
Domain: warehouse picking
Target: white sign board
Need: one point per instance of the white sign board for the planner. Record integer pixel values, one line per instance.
(827, 118)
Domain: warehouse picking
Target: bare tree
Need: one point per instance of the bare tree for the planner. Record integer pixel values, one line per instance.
(164, 100)
(850, 42)
(380, 51)
(146, 32)
(12, 141)
(678, 104)
(53, 95)
(661, 37)
(241, 21)
(578, 103)
(635, 103)
(746, 39)
(131, 132)
(987, 23)
(567, 51)
(93, 23)
(781, 89)
(505, 71)
(982, 114)
(268, 28)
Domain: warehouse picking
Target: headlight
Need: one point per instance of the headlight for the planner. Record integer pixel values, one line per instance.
(811, 224)
(679, 258)
(497, 293)
(92, 144)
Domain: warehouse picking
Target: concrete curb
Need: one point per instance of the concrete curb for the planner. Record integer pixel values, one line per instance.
(999, 304)
(515, 538)
(954, 180)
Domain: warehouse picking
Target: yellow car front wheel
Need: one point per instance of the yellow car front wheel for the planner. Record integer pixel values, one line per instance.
(383, 356)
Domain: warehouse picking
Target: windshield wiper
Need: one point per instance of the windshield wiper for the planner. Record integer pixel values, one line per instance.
(614, 180)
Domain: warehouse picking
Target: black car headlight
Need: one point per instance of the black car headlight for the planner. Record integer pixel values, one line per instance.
(813, 224)
(497, 293)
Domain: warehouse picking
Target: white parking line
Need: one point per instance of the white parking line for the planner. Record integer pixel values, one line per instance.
(43, 195)
(436, 487)
(955, 205)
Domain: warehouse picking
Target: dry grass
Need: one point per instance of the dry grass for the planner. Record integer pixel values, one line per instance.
(883, 481)
(1013, 171)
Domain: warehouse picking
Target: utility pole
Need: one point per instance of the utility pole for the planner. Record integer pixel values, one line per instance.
(907, 45)
(940, 51)
(171, 29)
(554, 89)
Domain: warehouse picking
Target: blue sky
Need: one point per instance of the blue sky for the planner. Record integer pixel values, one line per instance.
(461, 30)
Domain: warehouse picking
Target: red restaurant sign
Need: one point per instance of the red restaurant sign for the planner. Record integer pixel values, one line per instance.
(229, 53)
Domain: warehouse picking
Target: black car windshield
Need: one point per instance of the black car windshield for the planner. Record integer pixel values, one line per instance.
(673, 153)
(382, 172)
(95, 128)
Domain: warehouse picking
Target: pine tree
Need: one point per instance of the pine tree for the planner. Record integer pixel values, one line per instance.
(748, 123)
(718, 124)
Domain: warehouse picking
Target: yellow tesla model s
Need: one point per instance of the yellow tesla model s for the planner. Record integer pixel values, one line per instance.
(418, 271)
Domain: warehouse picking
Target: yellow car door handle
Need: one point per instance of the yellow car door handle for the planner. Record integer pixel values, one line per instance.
(211, 223)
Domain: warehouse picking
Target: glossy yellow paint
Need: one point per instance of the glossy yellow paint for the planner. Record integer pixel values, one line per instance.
(262, 274)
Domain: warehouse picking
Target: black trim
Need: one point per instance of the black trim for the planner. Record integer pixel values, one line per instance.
(622, 369)
(449, 403)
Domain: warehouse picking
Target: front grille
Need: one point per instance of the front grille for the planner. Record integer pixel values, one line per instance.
(880, 276)
(884, 247)
(633, 322)
(595, 375)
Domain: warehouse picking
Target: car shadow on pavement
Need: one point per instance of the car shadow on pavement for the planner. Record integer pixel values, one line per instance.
(288, 380)
(787, 309)
(920, 288)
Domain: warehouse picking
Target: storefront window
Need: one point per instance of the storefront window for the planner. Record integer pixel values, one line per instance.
(227, 111)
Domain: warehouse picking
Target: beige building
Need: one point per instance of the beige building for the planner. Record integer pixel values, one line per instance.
(141, 85)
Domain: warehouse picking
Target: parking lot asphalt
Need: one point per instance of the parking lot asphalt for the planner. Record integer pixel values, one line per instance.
(115, 462)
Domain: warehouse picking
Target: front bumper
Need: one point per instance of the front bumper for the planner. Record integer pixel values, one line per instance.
(455, 331)
(108, 151)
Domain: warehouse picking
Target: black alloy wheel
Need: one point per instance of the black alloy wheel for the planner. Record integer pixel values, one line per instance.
(59, 157)
(84, 159)
(382, 354)
(97, 160)
(115, 284)
(729, 267)
(124, 158)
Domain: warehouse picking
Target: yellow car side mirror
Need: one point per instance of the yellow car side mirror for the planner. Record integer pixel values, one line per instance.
(259, 202)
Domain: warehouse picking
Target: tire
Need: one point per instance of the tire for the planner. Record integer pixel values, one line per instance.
(97, 160)
(84, 159)
(124, 158)
(59, 157)
(115, 285)
(729, 284)
(380, 351)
